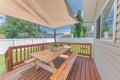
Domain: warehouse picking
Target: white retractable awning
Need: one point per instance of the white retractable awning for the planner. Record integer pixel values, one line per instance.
(51, 13)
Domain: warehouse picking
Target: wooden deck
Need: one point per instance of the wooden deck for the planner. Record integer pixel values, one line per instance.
(83, 69)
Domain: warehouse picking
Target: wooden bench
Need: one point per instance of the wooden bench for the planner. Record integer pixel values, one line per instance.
(62, 72)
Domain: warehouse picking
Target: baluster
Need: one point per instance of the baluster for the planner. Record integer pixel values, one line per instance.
(78, 48)
(82, 48)
(87, 49)
(24, 53)
(20, 54)
(38, 47)
(28, 52)
(16, 55)
(30, 49)
(90, 50)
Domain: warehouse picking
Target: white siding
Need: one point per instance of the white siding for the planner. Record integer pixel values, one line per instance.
(107, 59)
(117, 33)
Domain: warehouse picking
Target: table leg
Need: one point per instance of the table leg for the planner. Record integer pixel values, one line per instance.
(52, 64)
(47, 67)
(37, 64)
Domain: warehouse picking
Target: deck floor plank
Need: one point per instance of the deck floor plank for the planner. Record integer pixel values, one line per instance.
(92, 73)
(83, 69)
(95, 70)
(78, 72)
(87, 70)
(73, 71)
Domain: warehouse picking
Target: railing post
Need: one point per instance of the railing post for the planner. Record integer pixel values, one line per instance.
(10, 60)
(90, 50)
(69, 45)
(42, 46)
(7, 60)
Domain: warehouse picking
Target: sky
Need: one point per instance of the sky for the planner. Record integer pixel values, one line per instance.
(75, 5)
(2, 19)
(110, 17)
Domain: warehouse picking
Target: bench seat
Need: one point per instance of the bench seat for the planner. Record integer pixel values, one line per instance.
(29, 60)
(62, 72)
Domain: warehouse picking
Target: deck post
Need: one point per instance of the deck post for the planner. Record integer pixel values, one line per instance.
(90, 50)
(10, 60)
(55, 35)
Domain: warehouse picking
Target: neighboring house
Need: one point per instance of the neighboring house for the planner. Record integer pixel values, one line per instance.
(46, 35)
(90, 34)
(65, 36)
(2, 36)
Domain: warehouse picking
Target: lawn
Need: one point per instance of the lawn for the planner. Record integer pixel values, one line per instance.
(2, 63)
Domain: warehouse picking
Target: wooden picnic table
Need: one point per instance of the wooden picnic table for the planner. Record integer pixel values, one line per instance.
(45, 58)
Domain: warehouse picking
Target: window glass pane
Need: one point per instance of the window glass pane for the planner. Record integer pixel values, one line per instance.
(107, 22)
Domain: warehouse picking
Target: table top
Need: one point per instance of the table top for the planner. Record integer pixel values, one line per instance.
(48, 55)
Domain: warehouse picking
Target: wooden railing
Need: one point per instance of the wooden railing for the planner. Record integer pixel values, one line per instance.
(16, 55)
(83, 49)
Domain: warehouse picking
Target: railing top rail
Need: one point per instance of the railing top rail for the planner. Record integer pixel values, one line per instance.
(46, 43)
(73, 43)
(29, 45)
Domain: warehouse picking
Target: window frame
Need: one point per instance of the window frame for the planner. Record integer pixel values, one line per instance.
(114, 23)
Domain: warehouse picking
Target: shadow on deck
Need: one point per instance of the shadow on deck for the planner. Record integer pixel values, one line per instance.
(83, 69)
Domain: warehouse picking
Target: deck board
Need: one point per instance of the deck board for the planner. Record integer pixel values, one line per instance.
(83, 69)
(87, 70)
(78, 72)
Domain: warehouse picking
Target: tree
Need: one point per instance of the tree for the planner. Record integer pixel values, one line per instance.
(79, 29)
(2, 30)
(83, 31)
(16, 28)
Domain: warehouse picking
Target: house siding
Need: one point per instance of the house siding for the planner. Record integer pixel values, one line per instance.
(117, 31)
(107, 59)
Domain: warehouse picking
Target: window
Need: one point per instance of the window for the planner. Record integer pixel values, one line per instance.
(104, 29)
(107, 21)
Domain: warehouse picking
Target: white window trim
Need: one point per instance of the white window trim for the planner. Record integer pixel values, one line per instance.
(114, 21)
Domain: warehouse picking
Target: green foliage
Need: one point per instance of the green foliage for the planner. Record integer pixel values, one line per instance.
(105, 27)
(2, 63)
(83, 31)
(16, 28)
(2, 30)
(79, 30)
(55, 45)
(79, 17)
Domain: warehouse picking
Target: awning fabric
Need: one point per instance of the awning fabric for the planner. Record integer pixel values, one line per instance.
(51, 13)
